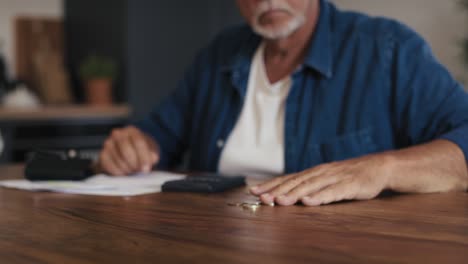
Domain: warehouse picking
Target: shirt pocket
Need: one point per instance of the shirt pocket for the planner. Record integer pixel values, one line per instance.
(350, 145)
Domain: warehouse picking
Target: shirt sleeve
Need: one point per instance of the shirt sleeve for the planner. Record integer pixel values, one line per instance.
(429, 102)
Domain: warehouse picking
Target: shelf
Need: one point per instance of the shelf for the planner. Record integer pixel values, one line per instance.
(71, 112)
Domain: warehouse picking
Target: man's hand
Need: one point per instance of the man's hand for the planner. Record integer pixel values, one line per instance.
(356, 179)
(128, 150)
(437, 166)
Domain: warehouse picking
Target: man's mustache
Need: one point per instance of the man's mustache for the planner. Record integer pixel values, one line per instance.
(267, 6)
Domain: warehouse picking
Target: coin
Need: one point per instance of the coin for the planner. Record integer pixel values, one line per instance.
(258, 203)
(250, 207)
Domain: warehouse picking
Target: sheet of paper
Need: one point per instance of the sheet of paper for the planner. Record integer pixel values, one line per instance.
(102, 185)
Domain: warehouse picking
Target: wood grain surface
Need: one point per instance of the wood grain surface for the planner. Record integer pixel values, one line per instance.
(202, 228)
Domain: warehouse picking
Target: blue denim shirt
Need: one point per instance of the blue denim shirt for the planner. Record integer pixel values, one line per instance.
(366, 85)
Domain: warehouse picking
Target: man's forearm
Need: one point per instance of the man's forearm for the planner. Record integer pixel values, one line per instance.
(438, 166)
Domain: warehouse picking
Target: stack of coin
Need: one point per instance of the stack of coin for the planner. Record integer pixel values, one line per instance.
(249, 205)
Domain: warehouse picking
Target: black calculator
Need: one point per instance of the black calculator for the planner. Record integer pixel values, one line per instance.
(204, 183)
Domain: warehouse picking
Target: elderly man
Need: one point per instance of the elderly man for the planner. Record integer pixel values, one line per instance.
(325, 105)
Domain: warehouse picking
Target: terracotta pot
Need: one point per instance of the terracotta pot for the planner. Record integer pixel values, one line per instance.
(99, 92)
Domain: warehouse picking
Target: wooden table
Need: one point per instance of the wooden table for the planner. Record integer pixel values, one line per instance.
(194, 228)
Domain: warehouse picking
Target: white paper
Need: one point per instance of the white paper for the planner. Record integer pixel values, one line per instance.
(102, 185)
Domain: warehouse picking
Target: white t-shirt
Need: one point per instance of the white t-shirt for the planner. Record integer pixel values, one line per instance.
(256, 145)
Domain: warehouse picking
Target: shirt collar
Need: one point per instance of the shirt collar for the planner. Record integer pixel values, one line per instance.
(319, 54)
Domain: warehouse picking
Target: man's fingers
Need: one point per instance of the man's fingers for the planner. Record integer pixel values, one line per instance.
(333, 193)
(267, 186)
(127, 152)
(110, 150)
(143, 152)
(108, 165)
(155, 153)
(306, 187)
(146, 149)
(288, 184)
(296, 181)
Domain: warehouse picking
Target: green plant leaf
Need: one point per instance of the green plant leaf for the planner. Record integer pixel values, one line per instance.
(97, 67)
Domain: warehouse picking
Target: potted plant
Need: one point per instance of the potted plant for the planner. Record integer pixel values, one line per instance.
(98, 74)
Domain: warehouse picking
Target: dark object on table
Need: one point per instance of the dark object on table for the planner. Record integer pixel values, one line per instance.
(209, 183)
(48, 166)
(4, 83)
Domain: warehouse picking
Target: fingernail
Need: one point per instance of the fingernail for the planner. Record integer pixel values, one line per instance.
(283, 200)
(254, 189)
(310, 201)
(267, 197)
(282, 197)
(146, 169)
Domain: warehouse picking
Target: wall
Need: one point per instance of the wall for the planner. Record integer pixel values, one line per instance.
(11, 8)
(163, 39)
(440, 22)
(97, 27)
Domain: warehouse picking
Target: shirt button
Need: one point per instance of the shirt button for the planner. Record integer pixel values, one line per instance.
(220, 143)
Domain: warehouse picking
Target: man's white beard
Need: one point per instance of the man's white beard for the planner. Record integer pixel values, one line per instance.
(279, 33)
(298, 19)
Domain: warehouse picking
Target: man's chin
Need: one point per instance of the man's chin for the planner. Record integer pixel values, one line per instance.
(274, 34)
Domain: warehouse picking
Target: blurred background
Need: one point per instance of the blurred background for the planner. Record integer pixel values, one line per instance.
(71, 70)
